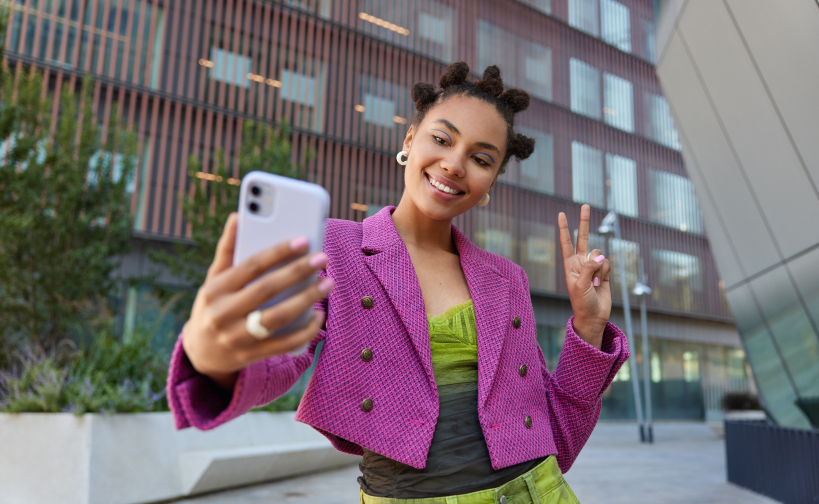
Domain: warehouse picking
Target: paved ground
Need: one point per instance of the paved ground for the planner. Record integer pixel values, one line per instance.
(685, 465)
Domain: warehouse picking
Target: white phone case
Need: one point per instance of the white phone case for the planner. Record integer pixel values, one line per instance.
(296, 209)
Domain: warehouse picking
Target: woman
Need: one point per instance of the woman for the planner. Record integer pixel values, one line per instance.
(430, 367)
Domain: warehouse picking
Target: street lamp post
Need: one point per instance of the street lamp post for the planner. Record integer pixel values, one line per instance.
(642, 290)
(611, 225)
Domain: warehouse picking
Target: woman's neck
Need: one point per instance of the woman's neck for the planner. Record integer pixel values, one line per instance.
(419, 230)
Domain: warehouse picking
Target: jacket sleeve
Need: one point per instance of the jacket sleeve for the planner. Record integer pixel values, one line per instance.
(196, 401)
(574, 390)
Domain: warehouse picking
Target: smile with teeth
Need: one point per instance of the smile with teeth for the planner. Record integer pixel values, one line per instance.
(442, 187)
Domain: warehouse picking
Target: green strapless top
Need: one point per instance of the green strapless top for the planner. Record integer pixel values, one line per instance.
(454, 343)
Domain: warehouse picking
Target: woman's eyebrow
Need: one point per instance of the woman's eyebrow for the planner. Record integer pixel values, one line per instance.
(485, 145)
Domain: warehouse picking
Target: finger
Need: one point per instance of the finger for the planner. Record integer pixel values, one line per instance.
(588, 271)
(605, 271)
(583, 230)
(236, 277)
(591, 256)
(283, 313)
(289, 342)
(223, 258)
(272, 284)
(566, 246)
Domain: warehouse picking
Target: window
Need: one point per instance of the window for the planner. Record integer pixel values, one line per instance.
(426, 26)
(648, 31)
(523, 64)
(298, 88)
(544, 6)
(494, 233)
(677, 280)
(629, 253)
(615, 24)
(659, 123)
(587, 175)
(673, 203)
(229, 67)
(382, 105)
(621, 185)
(101, 161)
(379, 110)
(583, 15)
(585, 88)
(437, 27)
(304, 87)
(537, 249)
(537, 172)
(618, 102)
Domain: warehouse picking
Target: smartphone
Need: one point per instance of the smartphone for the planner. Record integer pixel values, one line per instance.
(275, 209)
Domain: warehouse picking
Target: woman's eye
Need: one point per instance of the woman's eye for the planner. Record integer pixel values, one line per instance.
(439, 140)
(481, 161)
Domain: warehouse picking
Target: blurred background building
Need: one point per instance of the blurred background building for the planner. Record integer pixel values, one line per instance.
(741, 78)
(187, 74)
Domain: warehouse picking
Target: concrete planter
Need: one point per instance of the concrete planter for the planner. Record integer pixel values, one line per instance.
(136, 458)
(718, 426)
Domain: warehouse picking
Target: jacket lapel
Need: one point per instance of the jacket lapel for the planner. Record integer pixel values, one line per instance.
(391, 264)
(491, 299)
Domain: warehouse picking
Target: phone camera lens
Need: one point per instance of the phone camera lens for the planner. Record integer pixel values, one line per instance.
(256, 190)
(254, 207)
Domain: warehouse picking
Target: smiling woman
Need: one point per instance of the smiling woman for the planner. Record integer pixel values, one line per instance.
(430, 368)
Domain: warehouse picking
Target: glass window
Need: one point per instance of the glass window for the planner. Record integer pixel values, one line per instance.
(583, 15)
(673, 203)
(523, 64)
(537, 248)
(691, 366)
(307, 89)
(537, 172)
(629, 252)
(544, 6)
(116, 168)
(621, 185)
(615, 24)
(298, 88)
(587, 175)
(618, 102)
(229, 67)
(379, 111)
(648, 30)
(426, 26)
(677, 280)
(659, 123)
(494, 234)
(585, 88)
(384, 104)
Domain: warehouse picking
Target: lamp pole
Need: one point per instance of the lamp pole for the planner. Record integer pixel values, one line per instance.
(642, 290)
(610, 224)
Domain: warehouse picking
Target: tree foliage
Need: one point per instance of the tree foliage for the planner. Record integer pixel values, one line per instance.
(64, 209)
(213, 197)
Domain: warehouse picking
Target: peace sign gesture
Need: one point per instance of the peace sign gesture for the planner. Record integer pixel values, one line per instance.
(587, 277)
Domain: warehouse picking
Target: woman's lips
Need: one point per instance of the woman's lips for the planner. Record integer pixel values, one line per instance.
(438, 193)
(444, 186)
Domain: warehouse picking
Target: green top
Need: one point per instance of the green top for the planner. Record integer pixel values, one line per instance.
(454, 341)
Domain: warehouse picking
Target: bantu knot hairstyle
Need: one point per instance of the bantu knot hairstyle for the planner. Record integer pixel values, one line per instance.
(508, 102)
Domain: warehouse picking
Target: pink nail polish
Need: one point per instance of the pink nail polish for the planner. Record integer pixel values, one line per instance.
(599, 259)
(596, 280)
(326, 285)
(298, 243)
(318, 260)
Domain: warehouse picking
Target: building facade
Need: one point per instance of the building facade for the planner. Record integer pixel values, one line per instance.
(187, 74)
(741, 80)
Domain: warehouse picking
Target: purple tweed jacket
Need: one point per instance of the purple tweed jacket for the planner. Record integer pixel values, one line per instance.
(370, 259)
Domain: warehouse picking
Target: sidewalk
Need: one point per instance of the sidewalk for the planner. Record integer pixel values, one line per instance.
(686, 464)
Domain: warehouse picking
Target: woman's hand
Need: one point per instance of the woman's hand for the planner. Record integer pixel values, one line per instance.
(587, 280)
(215, 338)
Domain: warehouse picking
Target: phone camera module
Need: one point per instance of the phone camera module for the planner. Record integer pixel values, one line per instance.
(256, 190)
(254, 207)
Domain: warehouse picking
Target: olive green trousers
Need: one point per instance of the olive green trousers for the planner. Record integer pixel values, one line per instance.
(542, 485)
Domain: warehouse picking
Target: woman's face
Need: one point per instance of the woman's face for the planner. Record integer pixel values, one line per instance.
(454, 157)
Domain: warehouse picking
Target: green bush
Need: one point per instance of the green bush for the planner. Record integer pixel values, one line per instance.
(111, 376)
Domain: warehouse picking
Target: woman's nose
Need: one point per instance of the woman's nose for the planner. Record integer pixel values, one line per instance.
(453, 167)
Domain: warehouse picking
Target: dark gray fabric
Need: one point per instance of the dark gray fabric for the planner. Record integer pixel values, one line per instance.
(458, 460)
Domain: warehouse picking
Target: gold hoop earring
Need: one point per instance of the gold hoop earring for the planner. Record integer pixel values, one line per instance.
(485, 200)
(398, 157)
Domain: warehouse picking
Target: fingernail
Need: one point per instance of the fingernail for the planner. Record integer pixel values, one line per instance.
(318, 260)
(596, 280)
(298, 243)
(326, 285)
(599, 259)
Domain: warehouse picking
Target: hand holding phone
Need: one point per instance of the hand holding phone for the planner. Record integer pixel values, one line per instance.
(277, 276)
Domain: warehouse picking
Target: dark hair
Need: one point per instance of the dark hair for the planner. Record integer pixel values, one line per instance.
(489, 89)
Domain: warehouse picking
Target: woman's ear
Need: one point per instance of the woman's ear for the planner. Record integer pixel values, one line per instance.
(408, 139)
